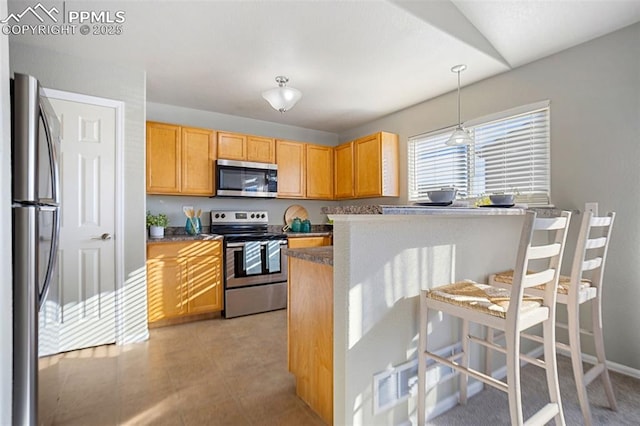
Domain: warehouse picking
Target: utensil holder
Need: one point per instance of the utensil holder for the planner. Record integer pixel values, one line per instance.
(193, 226)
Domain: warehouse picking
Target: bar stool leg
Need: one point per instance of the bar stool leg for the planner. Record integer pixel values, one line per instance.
(513, 377)
(488, 357)
(464, 378)
(422, 361)
(553, 383)
(573, 322)
(596, 317)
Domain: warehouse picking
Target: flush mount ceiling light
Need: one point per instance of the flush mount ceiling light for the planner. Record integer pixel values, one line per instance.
(459, 136)
(282, 98)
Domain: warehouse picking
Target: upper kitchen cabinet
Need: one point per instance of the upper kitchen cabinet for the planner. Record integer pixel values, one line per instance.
(290, 158)
(232, 146)
(376, 166)
(261, 150)
(319, 171)
(237, 146)
(198, 157)
(163, 158)
(180, 160)
(343, 167)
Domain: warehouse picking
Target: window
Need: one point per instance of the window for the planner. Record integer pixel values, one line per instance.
(510, 153)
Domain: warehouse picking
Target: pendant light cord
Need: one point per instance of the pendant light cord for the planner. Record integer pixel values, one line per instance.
(459, 124)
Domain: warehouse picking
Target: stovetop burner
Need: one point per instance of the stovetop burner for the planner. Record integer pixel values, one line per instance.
(239, 226)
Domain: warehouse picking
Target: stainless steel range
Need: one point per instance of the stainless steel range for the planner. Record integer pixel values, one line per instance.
(255, 271)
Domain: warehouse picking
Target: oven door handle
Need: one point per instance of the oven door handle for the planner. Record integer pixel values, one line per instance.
(264, 243)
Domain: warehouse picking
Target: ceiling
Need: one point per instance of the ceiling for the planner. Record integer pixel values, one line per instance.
(354, 61)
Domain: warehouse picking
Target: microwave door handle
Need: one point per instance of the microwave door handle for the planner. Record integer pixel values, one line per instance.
(53, 258)
(53, 160)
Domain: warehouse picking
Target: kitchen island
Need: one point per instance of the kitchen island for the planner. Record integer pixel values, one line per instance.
(383, 256)
(310, 326)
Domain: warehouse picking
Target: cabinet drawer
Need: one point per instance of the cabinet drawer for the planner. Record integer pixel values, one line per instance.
(302, 242)
(184, 249)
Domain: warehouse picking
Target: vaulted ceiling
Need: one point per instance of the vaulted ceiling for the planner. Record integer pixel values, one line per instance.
(354, 61)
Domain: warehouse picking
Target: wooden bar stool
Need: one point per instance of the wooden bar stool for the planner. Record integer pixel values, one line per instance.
(584, 285)
(509, 311)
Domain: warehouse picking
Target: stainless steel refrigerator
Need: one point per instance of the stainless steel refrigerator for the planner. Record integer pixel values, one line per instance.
(36, 230)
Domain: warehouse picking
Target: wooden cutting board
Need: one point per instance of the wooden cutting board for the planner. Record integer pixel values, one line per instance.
(293, 211)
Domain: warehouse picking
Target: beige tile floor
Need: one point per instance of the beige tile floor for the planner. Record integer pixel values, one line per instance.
(215, 372)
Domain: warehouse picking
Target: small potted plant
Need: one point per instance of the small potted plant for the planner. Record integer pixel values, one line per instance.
(156, 224)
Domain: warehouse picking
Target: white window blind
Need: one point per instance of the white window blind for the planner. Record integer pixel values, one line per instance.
(509, 154)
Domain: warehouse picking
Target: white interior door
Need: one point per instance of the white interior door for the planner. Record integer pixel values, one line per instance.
(86, 282)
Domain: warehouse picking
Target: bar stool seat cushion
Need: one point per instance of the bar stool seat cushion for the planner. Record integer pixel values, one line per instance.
(481, 297)
(564, 282)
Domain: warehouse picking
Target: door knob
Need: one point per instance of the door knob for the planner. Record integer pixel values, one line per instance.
(104, 237)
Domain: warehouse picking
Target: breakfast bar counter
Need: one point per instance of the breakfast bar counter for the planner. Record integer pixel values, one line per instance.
(452, 210)
(381, 261)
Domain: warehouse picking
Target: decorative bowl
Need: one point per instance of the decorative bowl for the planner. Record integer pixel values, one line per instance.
(502, 199)
(444, 195)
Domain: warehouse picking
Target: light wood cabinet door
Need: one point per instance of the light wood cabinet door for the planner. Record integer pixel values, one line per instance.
(368, 176)
(343, 175)
(261, 150)
(183, 278)
(376, 166)
(163, 158)
(290, 158)
(302, 242)
(204, 277)
(166, 292)
(232, 146)
(319, 171)
(198, 156)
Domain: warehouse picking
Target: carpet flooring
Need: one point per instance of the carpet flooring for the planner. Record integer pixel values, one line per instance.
(491, 407)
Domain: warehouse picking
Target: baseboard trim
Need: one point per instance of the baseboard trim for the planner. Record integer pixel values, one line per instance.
(451, 401)
(612, 366)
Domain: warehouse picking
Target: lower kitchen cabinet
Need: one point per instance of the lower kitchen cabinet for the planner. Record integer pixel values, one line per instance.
(300, 242)
(184, 279)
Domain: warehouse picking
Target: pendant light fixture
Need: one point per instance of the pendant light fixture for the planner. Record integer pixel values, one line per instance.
(282, 98)
(459, 136)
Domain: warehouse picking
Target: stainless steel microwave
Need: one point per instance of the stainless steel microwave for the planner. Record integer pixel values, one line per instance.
(246, 179)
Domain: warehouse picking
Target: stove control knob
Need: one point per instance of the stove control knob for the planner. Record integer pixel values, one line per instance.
(217, 215)
(223, 215)
(263, 215)
(253, 215)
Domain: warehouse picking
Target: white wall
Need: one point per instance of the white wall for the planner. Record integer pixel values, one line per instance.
(74, 74)
(6, 294)
(172, 205)
(594, 91)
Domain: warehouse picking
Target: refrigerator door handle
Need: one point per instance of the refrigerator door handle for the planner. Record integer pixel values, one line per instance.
(53, 162)
(53, 256)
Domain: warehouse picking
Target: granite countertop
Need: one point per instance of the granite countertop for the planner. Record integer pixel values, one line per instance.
(518, 209)
(179, 234)
(323, 255)
(309, 234)
(323, 230)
